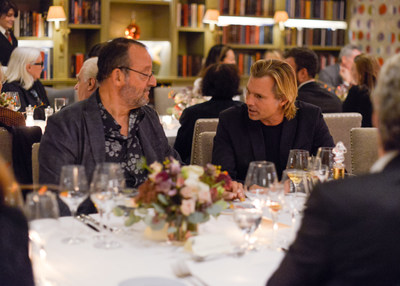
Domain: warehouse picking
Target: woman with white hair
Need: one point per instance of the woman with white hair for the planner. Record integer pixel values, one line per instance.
(22, 76)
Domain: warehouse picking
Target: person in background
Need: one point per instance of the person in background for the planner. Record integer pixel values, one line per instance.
(340, 73)
(349, 233)
(95, 50)
(364, 73)
(8, 42)
(87, 82)
(305, 64)
(221, 83)
(15, 265)
(270, 124)
(273, 54)
(217, 54)
(22, 76)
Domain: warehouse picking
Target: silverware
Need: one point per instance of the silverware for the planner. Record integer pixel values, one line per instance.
(181, 270)
(84, 220)
(97, 224)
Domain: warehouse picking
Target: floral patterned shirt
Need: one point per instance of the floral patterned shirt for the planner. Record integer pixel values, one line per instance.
(125, 150)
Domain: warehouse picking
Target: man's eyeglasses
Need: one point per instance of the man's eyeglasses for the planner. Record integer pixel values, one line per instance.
(127, 68)
(38, 64)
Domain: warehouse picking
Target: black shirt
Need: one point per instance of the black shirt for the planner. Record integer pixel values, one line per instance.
(125, 150)
(272, 140)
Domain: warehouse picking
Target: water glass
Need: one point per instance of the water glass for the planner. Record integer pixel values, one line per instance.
(247, 218)
(59, 102)
(48, 112)
(41, 206)
(327, 158)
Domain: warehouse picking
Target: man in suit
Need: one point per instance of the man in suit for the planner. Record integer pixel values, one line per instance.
(8, 42)
(350, 230)
(305, 64)
(112, 125)
(340, 73)
(270, 124)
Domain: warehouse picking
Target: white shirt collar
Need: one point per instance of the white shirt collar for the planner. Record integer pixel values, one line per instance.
(383, 161)
(2, 30)
(304, 83)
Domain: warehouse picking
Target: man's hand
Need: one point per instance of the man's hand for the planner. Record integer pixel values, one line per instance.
(236, 192)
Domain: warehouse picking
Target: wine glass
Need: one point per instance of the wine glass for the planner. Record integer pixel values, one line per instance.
(107, 182)
(59, 102)
(260, 176)
(297, 161)
(14, 97)
(73, 191)
(247, 217)
(319, 172)
(276, 195)
(48, 112)
(327, 158)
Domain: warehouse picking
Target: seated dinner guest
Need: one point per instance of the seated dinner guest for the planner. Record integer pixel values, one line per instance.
(15, 265)
(8, 42)
(350, 230)
(22, 76)
(221, 82)
(87, 82)
(112, 125)
(270, 124)
(305, 64)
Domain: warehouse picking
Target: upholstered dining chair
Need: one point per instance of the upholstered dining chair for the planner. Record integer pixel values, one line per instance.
(6, 145)
(364, 149)
(339, 125)
(202, 148)
(202, 125)
(35, 163)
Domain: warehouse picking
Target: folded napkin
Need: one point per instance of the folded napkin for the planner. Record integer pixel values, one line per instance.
(209, 244)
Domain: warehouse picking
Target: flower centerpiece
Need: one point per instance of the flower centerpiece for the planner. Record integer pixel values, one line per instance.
(6, 101)
(180, 197)
(184, 98)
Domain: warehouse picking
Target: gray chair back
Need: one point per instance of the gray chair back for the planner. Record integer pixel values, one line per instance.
(202, 148)
(339, 125)
(6, 145)
(364, 149)
(202, 125)
(35, 163)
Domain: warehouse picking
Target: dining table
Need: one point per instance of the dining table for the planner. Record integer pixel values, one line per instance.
(143, 260)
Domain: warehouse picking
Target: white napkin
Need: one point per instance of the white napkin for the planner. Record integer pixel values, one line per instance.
(209, 244)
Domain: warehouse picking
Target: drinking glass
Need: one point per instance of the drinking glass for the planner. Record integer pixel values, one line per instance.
(319, 172)
(48, 112)
(73, 191)
(276, 196)
(327, 158)
(107, 182)
(41, 206)
(59, 102)
(260, 176)
(247, 217)
(297, 161)
(15, 101)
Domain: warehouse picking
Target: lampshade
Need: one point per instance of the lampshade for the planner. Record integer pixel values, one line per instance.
(211, 16)
(281, 16)
(56, 13)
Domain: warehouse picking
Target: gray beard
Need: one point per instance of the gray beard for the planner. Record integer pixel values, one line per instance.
(127, 93)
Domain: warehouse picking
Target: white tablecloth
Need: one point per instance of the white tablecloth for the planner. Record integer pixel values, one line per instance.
(139, 257)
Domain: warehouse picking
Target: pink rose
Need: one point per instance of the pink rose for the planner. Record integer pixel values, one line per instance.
(188, 207)
(188, 192)
(204, 196)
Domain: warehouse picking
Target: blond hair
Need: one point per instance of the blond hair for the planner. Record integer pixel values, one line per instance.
(285, 87)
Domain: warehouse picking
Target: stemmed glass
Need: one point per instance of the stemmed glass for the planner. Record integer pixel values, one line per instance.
(247, 218)
(327, 158)
(297, 162)
(260, 176)
(14, 96)
(107, 182)
(73, 191)
(275, 203)
(319, 172)
(59, 102)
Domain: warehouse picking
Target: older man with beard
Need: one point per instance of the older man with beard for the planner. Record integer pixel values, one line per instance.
(113, 125)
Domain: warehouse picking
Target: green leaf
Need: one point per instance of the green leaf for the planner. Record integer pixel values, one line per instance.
(172, 229)
(143, 211)
(117, 211)
(163, 199)
(132, 219)
(198, 217)
(148, 219)
(158, 208)
(217, 207)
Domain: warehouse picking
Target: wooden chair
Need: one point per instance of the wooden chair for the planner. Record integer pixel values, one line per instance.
(6, 145)
(35, 163)
(202, 125)
(364, 149)
(202, 148)
(339, 125)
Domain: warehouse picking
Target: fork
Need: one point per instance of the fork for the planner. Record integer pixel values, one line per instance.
(181, 270)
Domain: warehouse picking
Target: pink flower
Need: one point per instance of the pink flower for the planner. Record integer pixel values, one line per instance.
(204, 195)
(188, 192)
(188, 207)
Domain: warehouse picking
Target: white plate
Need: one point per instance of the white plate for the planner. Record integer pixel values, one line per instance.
(151, 281)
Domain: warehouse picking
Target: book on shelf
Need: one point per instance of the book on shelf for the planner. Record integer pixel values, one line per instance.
(189, 65)
(77, 60)
(190, 15)
(253, 35)
(265, 8)
(31, 24)
(84, 12)
(47, 57)
(314, 37)
(244, 61)
(317, 9)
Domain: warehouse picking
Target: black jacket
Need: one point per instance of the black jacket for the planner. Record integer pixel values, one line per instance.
(239, 140)
(6, 48)
(314, 93)
(358, 100)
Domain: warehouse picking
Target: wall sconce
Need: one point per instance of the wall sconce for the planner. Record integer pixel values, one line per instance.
(211, 17)
(56, 14)
(280, 17)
